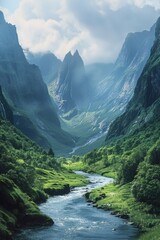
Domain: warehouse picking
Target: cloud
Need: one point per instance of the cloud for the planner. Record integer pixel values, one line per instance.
(97, 28)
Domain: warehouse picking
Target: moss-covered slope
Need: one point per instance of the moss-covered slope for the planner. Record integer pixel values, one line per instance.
(28, 174)
(17, 209)
(134, 162)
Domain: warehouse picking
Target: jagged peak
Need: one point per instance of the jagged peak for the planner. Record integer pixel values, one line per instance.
(69, 53)
(68, 57)
(2, 19)
(76, 53)
(77, 57)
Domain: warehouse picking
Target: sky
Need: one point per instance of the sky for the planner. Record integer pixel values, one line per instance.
(97, 28)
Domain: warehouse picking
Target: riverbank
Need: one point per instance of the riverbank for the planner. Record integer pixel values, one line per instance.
(18, 210)
(120, 201)
(76, 219)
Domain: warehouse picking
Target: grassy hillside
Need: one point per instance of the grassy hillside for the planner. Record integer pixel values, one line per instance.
(134, 162)
(27, 176)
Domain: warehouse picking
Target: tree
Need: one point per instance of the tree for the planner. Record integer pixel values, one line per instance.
(128, 170)
(146, 187)
(51, 153)
(153, 155)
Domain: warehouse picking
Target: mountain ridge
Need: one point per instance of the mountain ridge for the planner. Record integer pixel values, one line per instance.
(145, 103)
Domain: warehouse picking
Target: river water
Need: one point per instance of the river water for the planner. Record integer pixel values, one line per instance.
(75, 219)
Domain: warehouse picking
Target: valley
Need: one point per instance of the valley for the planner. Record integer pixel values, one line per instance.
(90, 108)
(79, 143)
(75, 219)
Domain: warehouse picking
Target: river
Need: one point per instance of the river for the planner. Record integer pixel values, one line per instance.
(75, 219)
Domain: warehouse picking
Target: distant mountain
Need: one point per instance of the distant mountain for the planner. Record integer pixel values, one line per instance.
(27, 94)
(103, 90)
(72, 85)
(145, 104)
(47, 62)
(127, 69)
(90, 97)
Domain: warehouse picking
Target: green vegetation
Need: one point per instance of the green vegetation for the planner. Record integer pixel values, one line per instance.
(17, 209)
(120, 199)
(134, 162)
(56, 182)
(28, 174)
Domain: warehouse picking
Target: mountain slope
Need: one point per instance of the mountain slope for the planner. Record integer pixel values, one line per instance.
(5, 110)
(27, 94)
(144, 106)
(47, 62)
(127, 69)
(27, 175)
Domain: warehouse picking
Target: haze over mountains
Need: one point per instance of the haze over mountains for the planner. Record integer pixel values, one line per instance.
(90, 97)
(84, 99)
(69, 108)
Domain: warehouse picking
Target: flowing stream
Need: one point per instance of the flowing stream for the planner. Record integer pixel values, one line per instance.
(75, 219)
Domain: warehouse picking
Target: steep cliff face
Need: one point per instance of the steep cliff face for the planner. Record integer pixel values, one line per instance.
(127, 69)
(26, 92)
(47, 62)
(72, 84)
(145, 104)
(5, 110)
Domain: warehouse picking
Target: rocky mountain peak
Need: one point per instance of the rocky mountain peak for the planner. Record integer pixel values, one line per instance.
(77, 59)
(68, 56)
(76, 54)
(135, 45)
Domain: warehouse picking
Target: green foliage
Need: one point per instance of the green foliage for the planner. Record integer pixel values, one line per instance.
(50, 152)
(125, 157)
(134, 161)
(27, 173)
(153, 155)
(129, 166)
(120, 199)
(15, 207)
(146, 187)
(153, 234)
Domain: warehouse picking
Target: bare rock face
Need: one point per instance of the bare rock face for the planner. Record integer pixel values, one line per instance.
(72, 84)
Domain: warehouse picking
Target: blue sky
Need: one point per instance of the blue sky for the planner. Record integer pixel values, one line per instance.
(97, 28)
(11, 5)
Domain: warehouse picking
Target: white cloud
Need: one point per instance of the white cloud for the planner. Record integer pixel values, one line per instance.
(96, 28)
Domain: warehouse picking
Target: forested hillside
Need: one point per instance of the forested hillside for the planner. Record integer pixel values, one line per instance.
(28, 175)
